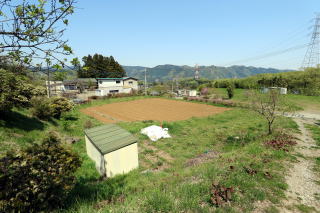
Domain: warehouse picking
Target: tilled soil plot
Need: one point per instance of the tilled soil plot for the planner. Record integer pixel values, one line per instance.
(151, 109)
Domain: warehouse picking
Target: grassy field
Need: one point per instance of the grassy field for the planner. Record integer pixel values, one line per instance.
(241, 161)
(309, 103)
(315, 130)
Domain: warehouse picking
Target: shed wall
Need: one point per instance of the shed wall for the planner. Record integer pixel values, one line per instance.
(95, 155)
(122, 160)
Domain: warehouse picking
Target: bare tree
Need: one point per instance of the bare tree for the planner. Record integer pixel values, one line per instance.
(33, 29)
(269, 105)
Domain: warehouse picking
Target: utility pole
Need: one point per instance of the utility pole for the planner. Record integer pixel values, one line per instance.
(172, 85)
(312, 56)
(145, 81)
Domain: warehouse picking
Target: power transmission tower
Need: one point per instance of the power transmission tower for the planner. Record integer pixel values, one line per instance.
(196, 72)
(312, 57)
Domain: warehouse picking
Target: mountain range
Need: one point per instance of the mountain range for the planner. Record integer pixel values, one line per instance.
(169, 72)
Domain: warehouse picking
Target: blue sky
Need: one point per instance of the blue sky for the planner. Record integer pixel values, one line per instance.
(189, 32)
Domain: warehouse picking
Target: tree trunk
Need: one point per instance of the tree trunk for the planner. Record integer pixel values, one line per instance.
(48, 79)
(269, 128)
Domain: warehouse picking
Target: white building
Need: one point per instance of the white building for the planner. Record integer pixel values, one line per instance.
(282, 90)
(55, 87)
(116, 85)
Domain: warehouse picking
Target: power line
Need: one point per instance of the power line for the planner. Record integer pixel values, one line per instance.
(267, 55)
(296, 36)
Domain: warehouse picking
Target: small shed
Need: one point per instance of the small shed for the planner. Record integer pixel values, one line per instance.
(113, 149)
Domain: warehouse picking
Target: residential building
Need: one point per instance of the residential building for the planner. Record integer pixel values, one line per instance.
(116, 85)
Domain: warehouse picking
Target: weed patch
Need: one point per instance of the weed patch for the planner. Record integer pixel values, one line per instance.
(281, 142)
(220, 195)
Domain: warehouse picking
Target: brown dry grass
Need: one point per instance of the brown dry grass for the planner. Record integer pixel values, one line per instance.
(151, 109)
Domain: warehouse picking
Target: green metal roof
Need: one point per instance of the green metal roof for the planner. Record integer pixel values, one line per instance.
(109, 137)
(124, 78)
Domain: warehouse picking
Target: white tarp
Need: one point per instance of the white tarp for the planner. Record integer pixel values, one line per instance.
(155, 132)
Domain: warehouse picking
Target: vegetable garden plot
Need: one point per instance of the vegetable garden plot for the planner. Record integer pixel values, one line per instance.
(151, 109)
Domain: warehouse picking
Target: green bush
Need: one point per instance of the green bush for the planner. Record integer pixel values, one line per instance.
(37, 178)
(45, 108)
(41, 108)
(16, 91)
(230, 90)
(59, 105)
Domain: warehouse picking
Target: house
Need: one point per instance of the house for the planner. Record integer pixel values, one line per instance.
(55, 87)
(113, 149)
(185, 92)
(116, 85)
(80, 84)
(192, 93)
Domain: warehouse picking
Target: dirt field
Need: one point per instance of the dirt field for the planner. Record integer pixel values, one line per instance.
(151, 109)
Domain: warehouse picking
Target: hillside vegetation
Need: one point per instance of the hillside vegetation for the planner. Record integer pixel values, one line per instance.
(304, 82)
(169, 72)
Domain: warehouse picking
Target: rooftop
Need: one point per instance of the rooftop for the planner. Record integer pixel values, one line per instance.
(123, 78)
(109, 137)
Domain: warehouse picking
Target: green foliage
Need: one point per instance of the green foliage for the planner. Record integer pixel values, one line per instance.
(99, 66)
(59, 76)
(307, 82)
(159, 202)
(60, 105)
(35, 28)
(230, 90)
(40, 108)
(45, 108)
(16, 90)
(37, 178)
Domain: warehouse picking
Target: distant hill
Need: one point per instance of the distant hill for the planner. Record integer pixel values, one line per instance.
(168, 72)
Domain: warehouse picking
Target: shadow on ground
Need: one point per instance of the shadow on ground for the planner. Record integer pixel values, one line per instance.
(17, 120)
(93, 191)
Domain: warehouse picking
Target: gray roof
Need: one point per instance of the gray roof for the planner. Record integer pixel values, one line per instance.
(109, 137)
(80, 80)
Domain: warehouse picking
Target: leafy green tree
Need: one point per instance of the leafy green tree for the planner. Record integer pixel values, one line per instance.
(16, 90)
(99, 66)
(32, 29)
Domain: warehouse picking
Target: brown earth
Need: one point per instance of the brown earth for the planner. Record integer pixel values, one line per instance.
(151, 109)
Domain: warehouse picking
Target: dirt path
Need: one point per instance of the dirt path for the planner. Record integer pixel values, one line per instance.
(301, 178)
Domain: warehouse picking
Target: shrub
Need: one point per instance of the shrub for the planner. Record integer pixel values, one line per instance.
(16, 90)
(204, 91)
(37, 178)
(45, 108)
(88, 124)
(60, 105)
(230, 90)
(281, 142)
(41, 108)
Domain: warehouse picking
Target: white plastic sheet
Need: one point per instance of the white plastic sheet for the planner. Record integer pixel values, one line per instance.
(155, 132)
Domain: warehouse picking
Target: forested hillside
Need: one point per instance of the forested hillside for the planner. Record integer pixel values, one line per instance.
(169, 72)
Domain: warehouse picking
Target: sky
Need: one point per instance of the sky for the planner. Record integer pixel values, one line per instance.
(188, 32)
